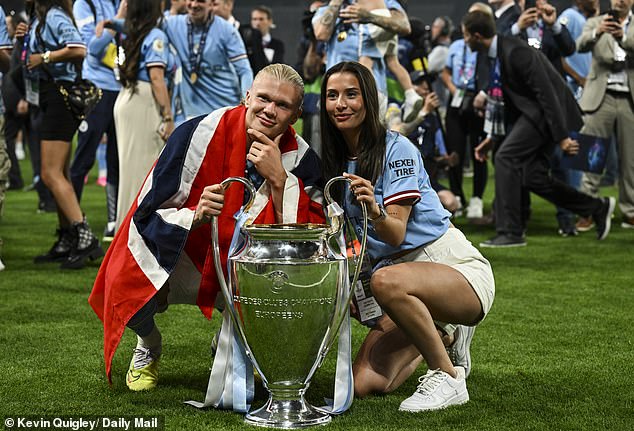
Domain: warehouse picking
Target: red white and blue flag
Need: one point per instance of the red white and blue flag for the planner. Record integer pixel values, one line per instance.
(155, 242)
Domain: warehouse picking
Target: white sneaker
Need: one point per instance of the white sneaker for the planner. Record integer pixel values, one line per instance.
(474, 210)
(1, 265)
(459, 352)
(437, 390)
(19, 151)
(413, 103)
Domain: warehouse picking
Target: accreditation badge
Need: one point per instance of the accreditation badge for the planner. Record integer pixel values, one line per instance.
(457, 98)
(32, 90)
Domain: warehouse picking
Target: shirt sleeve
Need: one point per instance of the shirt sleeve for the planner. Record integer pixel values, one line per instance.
(85, 20)
(234, 45)
(5, 42)
(403, 167)
(237, 55)
(394, 4)
(453, 49)
(67, 33)
(155, 50)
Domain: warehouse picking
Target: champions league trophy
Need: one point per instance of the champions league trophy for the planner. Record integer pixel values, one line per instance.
(288, 293)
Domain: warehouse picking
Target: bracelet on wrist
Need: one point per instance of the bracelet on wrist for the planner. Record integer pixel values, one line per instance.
(382, 215)
(46, 57)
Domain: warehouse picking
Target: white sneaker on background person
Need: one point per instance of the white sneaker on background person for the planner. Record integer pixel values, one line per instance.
(474, 210)
(437, 390)
(19, 150)
(413, 103)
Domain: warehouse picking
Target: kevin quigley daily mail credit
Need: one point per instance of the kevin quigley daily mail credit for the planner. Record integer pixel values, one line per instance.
(92, 423)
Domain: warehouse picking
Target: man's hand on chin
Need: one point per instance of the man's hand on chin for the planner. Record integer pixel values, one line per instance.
(266, 156)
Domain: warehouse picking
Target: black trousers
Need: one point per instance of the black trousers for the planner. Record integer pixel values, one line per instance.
(98, 122)
(523, 161)
(460, 129)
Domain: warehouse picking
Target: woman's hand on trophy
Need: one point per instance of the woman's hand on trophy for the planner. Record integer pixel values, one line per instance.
(364, 192)
(209, 205)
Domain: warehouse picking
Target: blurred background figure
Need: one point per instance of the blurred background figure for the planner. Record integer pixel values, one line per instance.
(262, 20)
(55, 47)
(99, 67)
(251, 37)
(142, 111)
(177, 7)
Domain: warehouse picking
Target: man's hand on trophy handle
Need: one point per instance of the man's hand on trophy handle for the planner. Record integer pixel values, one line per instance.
(209, 205)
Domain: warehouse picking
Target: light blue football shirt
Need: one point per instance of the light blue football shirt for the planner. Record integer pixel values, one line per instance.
(94, 70)
(58, 32)
(461, 61)
(574, 22)
(404, 177)
(155, 52)
(349, 49)
(224, 75)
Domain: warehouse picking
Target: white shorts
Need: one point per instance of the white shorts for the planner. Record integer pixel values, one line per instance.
(455, 250)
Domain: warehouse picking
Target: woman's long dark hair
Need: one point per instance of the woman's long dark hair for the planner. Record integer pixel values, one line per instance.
(43, 6)
(371, 155)
(142, 17)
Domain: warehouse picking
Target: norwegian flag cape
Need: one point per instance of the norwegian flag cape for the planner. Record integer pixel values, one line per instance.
(155, 240)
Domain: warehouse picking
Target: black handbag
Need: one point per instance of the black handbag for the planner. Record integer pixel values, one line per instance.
(80, 97)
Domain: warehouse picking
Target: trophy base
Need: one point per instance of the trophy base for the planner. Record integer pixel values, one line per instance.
(287, 414)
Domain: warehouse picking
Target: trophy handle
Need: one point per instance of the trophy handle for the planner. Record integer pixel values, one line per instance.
(224, 288)
(337, 224)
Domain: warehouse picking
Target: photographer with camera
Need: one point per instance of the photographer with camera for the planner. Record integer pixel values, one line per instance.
(539, 27)
(609, 93)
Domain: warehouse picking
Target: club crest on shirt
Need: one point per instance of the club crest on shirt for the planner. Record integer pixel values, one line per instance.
(402, 168)
(158, 45)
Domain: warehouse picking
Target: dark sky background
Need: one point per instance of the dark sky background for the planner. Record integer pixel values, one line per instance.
(288, 14)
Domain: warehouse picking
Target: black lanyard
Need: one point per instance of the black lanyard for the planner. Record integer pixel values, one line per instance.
(195, 58)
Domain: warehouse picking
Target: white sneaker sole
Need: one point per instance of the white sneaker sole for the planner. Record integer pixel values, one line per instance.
(456, 400)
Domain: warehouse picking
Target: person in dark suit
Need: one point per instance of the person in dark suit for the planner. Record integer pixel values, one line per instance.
(535, 111)
(506, 14)
(251, 37)
(262, 20)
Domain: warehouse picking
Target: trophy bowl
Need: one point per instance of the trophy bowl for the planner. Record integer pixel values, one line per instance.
(288, 292)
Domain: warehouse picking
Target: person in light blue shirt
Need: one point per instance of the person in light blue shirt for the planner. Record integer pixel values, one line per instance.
(577, 65)
(56, 32)
(99, 67)
(337, 24)
(215, 66)
(428, 277)
(55, 46)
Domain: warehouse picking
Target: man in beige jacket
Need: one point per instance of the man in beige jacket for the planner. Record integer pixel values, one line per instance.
(608, 96)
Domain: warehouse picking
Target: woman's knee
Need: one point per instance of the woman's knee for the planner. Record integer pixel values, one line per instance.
(385, 284)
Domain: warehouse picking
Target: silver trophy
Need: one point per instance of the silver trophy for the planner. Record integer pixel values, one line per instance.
(288, 293)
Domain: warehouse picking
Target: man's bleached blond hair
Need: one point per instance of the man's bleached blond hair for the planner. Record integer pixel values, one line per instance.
(284, 73)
